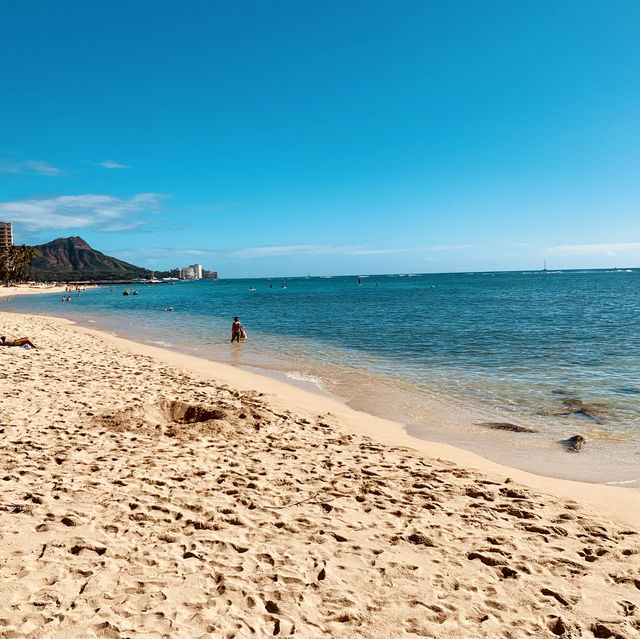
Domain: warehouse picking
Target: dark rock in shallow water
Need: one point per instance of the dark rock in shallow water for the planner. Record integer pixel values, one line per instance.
(508, 426)
(573, 443)
(575, 406)
(627, 391)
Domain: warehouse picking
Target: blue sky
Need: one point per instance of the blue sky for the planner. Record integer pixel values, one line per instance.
(281, 138)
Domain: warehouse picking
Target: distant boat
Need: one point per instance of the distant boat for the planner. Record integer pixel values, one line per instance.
(544, 270)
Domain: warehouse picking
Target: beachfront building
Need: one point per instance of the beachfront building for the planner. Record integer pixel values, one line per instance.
(193, 272)
(196, 272)
(6, 234)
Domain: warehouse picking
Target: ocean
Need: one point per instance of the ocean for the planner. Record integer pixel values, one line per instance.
(448, 355)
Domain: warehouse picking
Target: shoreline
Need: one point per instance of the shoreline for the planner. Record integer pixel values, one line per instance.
(27, 289)
(149, 493)
(613, 500)
(618, 501)
(459, 422)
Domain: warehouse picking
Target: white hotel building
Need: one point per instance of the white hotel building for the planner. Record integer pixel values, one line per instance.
(193, 272)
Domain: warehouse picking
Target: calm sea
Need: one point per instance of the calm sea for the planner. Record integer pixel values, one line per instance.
(447, 354)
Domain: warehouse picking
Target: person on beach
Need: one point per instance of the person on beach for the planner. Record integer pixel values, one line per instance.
(237, 332)
(21, 341)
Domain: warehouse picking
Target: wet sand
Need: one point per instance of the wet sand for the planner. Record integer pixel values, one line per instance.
(151, 494)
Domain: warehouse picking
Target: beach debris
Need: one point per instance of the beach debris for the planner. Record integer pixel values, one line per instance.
(574, 443)
(514, 428)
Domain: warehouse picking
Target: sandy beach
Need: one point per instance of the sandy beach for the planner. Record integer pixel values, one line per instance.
(7, 292)
(146, 493)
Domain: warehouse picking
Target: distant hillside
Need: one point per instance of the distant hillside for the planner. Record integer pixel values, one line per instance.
(71, 258)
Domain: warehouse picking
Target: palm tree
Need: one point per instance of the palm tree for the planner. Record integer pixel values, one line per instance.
(15, 262)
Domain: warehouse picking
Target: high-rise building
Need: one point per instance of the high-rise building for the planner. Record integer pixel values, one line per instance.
(192, 272)
(6, 234)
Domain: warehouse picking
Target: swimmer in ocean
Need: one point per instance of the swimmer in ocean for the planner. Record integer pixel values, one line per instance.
(237, 331)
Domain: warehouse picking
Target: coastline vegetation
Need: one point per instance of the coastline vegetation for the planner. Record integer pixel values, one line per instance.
(15, 262)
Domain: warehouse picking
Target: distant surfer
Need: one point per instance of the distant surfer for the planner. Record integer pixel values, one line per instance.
(237, 332)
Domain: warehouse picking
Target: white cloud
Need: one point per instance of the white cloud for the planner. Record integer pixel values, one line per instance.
(110, 164)
(330, 249)
(29, 166)
(421, 249)
(595, 249)
(102, 212)
(278, 251)
(258, 252)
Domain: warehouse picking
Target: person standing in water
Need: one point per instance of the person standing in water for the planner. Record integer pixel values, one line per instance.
(237, 332)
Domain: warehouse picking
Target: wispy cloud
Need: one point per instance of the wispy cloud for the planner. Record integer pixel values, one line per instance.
(110, 164)
(291, 250)
(595, 249)
(100, 212)
(28, 166)
(331, 249)
(253, 252)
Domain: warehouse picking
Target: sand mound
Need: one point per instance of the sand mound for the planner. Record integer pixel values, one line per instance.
(183, 413)
(169, 417)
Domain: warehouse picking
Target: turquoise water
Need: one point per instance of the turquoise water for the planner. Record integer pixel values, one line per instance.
(558, 352)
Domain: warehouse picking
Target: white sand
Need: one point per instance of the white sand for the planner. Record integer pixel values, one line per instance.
(278, 512)
(7, 292)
